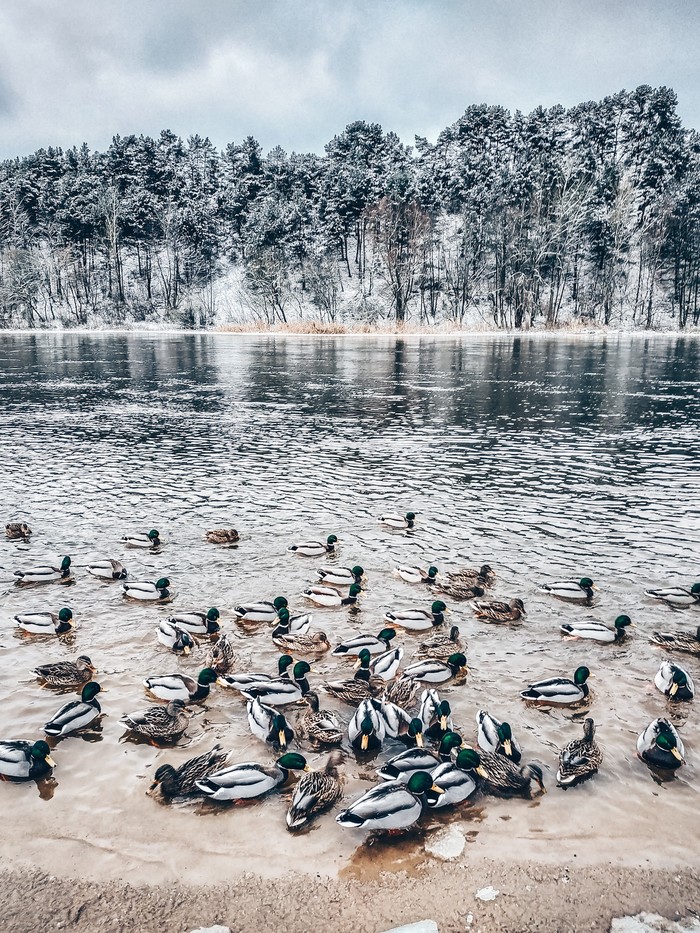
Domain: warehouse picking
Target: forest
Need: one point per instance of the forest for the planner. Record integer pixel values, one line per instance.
(588, 215)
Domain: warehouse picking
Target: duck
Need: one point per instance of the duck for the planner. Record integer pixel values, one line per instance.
(367, 728)
(291, 625)
(483, 576)
(387, 664)
(268, 725)
(107, 570)
(182, 781)
(375, 644)
(496, 737)
(686, 642)
(340, 576)
(150, 539)
(418, 620)
(314, 548)
(396, 520)
(433, 671)
(197, 623)
(679, 597)
(560, 690)
(249, 779)
(580, 591)
(21, 760)
(46, 623)
(320, 726)
(498, 611)
(457, 780)
(66, 673)
(580, 759)
(222, 536)
(413, 735)
(411, 574)
(18, 531)
(660, 745)
(356, 690)
(77, 714)
(239, 680)
(460, 590)
(402, 766)
(396, 720)
(394, 805)
(283, 691)
(441, 722)
(675, 682)
(598, 631)
(143, 591)
(166, 723)
(330, 597)
(262, 611)
(182, 687)
(401, 691)
(501, 777)
(173, 637)
(429, 706)
(441, 645)
(46, 573)
(315, 792)
(312, 644)
(222, 657)
(366, 739)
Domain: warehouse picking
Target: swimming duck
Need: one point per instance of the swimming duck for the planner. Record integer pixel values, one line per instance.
(222, 536)
(483, 576)
(375, 644)
(182, 687)
(66, 673)
(559, 690)
(159, 722)
(413, 735)
(402, 766)
(367, 728)
(341, 576)
(239, 680)
(680, 597)
(356, 690)
(660, 745)
(367, 738)
(429, 706)
(687, 642)
(460, 590)
(580, 591)
(315, 792)
(174, 637)
(395, 520)
(402, 692)
(498, 611)
(457, 780)
(107, 570)
(46, 623)
(675, 682)
(182, 781)
(25, 761)
(197, 623)
(394, 805)
(248, 779)
(291, 625)
(387, 664)
(269, 725)
(441, 722)
(77, 714)
(441, 645)
(222, 657)
(18, 530)
(329, 596)
(314, 548)
(580, 759)
(150, 539)
(396, 720)
(501, 777)
(310, 645)
(411, 574)
(263, 611)
(418, 620)
(46, 573)
(496, 737)
(320, 726)
(283, 691)
(143, 591)
(438, 672)
(597, 631)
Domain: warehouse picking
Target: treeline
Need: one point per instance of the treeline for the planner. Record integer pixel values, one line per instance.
(590, 215)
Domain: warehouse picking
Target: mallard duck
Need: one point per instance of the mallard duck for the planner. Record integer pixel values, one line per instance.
(173, 637)
(320, 726)
(315, 792)
(597, 631)
(429, 706)
(77, 714)
(680, 597)
(18, 530)
(460, 590)
(559, 690)
(580, 759)
(197, 623)
(314, 548)
(401, 691)
(107, 570)
(25, 761)
(457, 780)
(143, 591)
(159, 722)
(367, 728)
(496, 737)
(340, 576)
(356, 690)
(387, 664)
(182, 687)
(418, 620)
(413, 735)
(283, 691)
(248, 780)
(498, 611)
(182, 781)
(367, 739)
(675, 682)
(402, 766)
(46, 623)
(396, 720)
(433, 671)
(661, 746)
(396, 520)
(686, 642)
(263, 611)
(222, 536)
(441, 723)
(441, 645)
(483, 576)
(66, 673)
(292, 625)
(222, 657)
(149, 539)
(46, 573)
(412, 574)
(392, 806)
(268, 725)
(329, 596)
(580, 591)
(501, 777)
(312, 645)
(239, 680)
(375, 644)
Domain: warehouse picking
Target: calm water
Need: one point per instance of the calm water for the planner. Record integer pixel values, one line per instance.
(544, 457)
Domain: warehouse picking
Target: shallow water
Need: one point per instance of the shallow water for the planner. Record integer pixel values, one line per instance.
(545, 457)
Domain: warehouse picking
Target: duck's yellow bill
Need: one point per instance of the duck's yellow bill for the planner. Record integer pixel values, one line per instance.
(673, 690)
(508, 747)
(364, 743)
(49, 761)
(282, 738)
(481, 771)
(674, 752)
(438, 790)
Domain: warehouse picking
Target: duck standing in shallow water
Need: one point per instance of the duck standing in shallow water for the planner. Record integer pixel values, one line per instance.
(314, 548)
(661, 746)
(143, 591)
(580, 759)
(46, 573)
(150, 540)
(559, 690)
(315, 792)
(46, 623)
(577, 591)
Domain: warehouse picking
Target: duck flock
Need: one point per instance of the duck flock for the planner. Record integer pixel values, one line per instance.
(397, 710)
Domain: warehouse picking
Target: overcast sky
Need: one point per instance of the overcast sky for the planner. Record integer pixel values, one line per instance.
(295, 72)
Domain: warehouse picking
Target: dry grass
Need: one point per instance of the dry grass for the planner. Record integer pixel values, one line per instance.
(334, 329)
